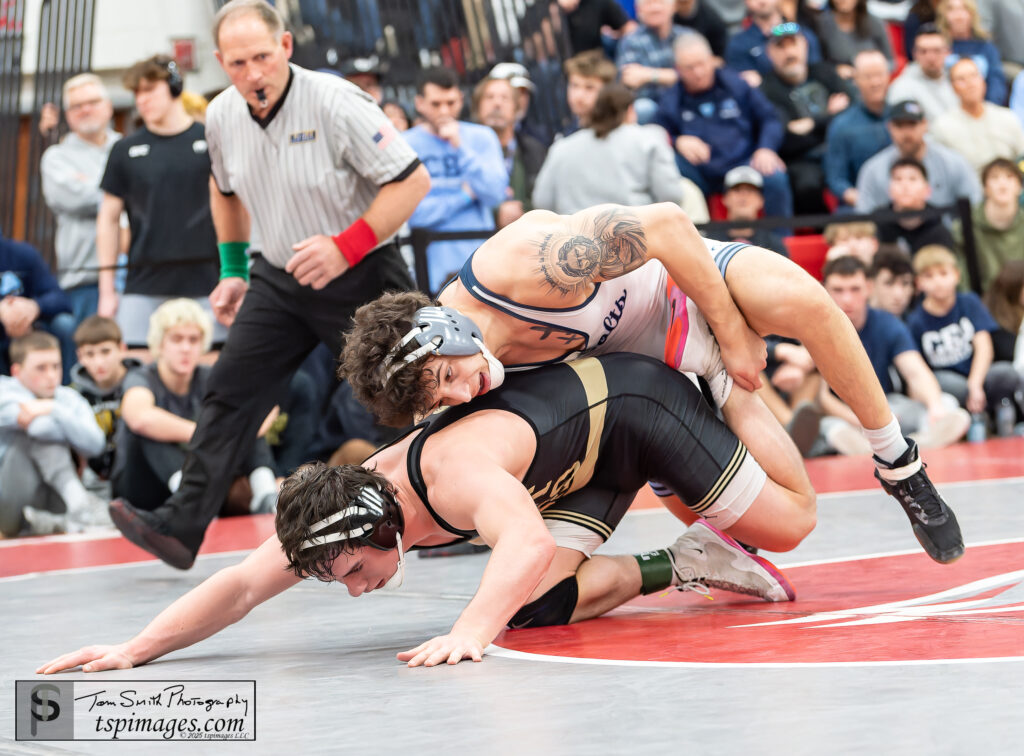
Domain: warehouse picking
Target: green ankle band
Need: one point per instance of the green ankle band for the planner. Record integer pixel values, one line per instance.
(233, 260)
(655, 571)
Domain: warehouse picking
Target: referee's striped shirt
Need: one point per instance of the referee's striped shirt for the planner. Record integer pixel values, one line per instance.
(313, 166)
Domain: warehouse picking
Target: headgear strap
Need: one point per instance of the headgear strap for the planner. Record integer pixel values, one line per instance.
(368, 502)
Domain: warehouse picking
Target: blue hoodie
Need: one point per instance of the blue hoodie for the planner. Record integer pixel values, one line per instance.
(479, 165)
(732, 117)
(24, 274)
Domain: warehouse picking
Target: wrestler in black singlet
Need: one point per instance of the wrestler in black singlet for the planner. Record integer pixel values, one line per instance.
(605, 426)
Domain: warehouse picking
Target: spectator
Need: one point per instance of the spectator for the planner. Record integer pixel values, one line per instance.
(744, 200)
(1005, 300)
(922, 12)
(71, 172)
(747, 50)
(585, 74)
(998, 221)
(397, 114)
(31, 299)
(468, 178)
(925, 79)
(978, 130)
(365, 73)
(645, 58)
(160, 407)
(701, 16)
(807, 97)
(586, 18)
(892, 282)
(847, 28)
(909, 190)
(949, 175)
(40, 423)
(1005, 19)
(494, 105)
(953, 332)
(160, 176)
(528, 120)
(612, 160)
(717, 121)
(932, 418)
(790, 387)
(99, 377)
(859, 239)
(859, 132)
(959, 22)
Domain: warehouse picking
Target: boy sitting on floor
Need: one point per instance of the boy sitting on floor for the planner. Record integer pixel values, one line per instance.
(99, 377)
(40, 423)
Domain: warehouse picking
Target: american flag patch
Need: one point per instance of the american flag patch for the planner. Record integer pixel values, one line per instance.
(385, 136)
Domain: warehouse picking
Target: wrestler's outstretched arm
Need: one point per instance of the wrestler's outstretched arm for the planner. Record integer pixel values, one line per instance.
(479, 494)
(570, 253)
(219, 601)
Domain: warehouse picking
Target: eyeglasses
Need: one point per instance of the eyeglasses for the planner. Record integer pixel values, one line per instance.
(84, 104)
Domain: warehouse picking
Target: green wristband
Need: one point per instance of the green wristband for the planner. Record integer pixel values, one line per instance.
(234, 263)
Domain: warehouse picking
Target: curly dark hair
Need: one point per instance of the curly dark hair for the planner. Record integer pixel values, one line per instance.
(376, 328)
(308, 495)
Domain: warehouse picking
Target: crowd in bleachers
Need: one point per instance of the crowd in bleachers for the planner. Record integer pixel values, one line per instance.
(775, 109)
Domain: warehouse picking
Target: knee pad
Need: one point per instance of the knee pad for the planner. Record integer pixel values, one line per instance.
(553, 608)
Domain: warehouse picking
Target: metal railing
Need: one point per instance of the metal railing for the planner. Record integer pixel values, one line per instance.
(421, 238)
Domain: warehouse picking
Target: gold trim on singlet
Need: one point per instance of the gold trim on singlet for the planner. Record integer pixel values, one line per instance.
(578, 518)
(595, 385)
(723, 480)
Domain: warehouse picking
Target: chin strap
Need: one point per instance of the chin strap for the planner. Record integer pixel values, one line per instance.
(392, 585)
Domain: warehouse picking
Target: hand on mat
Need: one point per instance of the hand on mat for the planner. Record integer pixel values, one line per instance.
(317, 261)
(91, 659)
(227, 297)
(449, 648)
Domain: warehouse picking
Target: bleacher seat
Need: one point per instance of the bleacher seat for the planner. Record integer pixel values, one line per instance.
(808, 252)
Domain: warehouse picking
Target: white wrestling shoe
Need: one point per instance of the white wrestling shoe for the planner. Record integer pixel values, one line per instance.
(705, 557)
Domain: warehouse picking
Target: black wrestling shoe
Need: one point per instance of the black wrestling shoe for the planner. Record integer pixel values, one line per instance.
(144, 530)
(933, 521)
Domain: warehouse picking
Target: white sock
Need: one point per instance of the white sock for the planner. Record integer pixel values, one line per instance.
(174, 481)
(263, 484)
(887, 442)
(66, 483)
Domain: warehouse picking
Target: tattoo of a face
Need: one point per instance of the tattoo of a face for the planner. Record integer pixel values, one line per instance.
(602, 245)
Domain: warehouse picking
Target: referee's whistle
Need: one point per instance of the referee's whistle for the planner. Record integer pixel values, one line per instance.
(261, 94)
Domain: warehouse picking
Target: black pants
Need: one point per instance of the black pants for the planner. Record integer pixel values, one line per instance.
(279, 323)
(149, 465)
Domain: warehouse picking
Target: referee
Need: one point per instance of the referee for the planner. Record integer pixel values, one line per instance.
(310, 166)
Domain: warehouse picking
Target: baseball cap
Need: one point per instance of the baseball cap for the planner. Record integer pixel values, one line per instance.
(743, 174)
(779, 32)
(906, 111)
(371, 64)
(516, 74)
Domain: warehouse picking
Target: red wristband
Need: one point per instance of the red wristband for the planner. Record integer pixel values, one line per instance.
(356, 241)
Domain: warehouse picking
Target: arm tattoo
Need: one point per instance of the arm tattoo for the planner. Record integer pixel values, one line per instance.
(602, 246)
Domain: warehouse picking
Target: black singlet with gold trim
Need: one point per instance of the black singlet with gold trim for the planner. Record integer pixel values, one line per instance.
(604, 427)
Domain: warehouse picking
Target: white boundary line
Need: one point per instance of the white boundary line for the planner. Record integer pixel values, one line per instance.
(499, 651)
